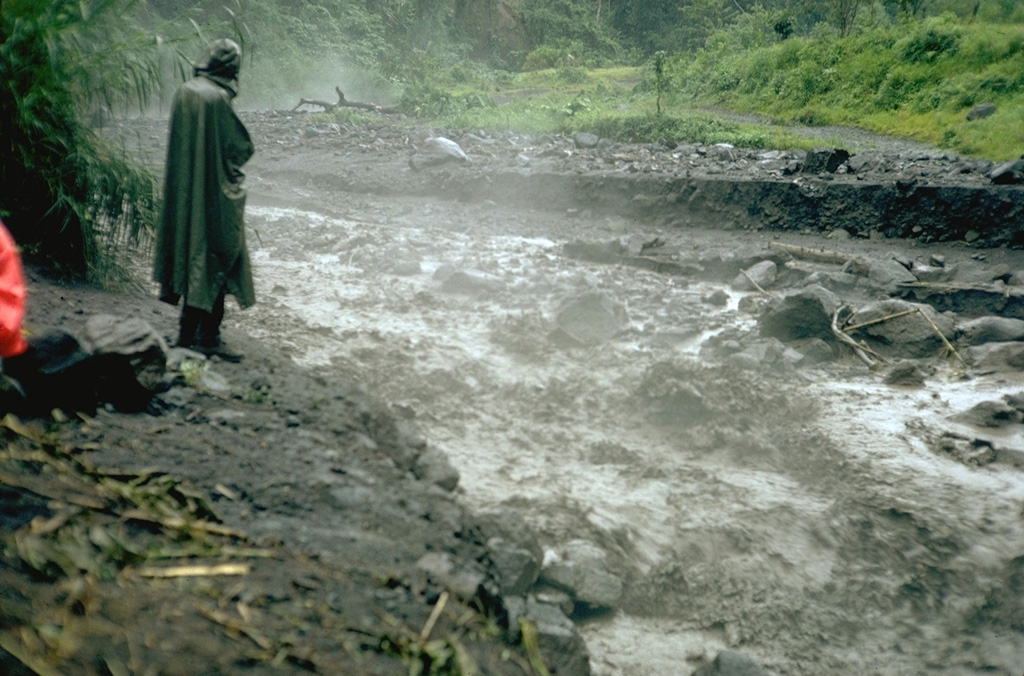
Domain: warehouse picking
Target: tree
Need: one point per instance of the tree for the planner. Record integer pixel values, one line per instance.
(69, 197)
(844, 13)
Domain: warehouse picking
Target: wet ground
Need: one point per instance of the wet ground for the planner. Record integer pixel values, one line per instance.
(811, 517)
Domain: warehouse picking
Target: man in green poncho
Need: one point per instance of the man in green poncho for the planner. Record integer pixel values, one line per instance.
(200, 244)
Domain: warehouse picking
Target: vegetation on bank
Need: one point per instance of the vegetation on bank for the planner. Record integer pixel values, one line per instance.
(631, 70)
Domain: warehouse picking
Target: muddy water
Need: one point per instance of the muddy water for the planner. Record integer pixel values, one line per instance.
(806, 519)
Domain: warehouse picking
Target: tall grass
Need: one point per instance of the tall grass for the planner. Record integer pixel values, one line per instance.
(913, 79)
(72, 198)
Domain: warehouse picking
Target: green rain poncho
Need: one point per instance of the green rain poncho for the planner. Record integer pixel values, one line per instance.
(200, 243)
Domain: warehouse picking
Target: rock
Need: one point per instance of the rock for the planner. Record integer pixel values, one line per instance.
(434, 467)
(981, 111)
(887, 274)
(435, 152)
(824, 160)
(717, 298)
(814, 351)
(516, 569)
(867, 161)
(471, 282)
(992, 330)
(590, 318)
(1008, 173)
(762, 274)
(905, 373)
(990, 414)
(908, 336)
(561, 646)
(464, 583)
(730, 663)
(585, 140)
(997, 356)
(806, 313)
(131, 359)
(583, 573)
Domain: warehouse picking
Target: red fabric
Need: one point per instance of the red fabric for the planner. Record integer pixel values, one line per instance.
(12, 297)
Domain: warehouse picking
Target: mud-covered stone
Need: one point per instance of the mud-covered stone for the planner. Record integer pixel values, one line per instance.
(894, 334)
(437, 151)
(997, 356)
(516, 568)
(990, 414)
(825, 160)
(806, 313)
(762, 274)
(730, 663)
(991, 330)
(589, 318)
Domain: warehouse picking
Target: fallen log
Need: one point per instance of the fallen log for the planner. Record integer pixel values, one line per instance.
(344, 103)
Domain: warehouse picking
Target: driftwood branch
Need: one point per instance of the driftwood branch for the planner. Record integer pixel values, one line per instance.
(343, 103)
(819, 255)
(865, 354)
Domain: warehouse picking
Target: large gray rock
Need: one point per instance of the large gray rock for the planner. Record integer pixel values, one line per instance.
(992, 330)
(806, 313)
(561, 646)
(992, 414)
(583, 572)
(763, 274)
(908, 336)
(434, 467)
(1008, 173)
(516, 568)
(981, 111)
(887, 274)
(825, 160)
(590, 318)
(997, 356)
(730, 663)
(437, 151)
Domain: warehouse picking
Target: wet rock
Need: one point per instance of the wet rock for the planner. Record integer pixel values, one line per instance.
(992, 414)
(825, 160)
(434, 467)
(813, 351)
(717, 298)
(1008, 173)
(586, 140)
(515, 568)
(905, 373)
(561, 646)
(761, 274)
(992, 330)
(981, 111)
(589, 318)
(471, 282)
(806, 313)
(887, 274)
(583, 572)
(908, 336)
(435, 152)
(867, 162)
(730, 663)
(997, 356)
(970, 272)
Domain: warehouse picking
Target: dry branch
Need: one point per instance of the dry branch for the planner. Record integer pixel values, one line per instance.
(343, 103)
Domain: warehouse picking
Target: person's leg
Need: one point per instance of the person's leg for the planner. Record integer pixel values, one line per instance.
(188, 325)
(208, 333)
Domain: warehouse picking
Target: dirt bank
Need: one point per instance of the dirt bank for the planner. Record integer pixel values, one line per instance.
(633, 449)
